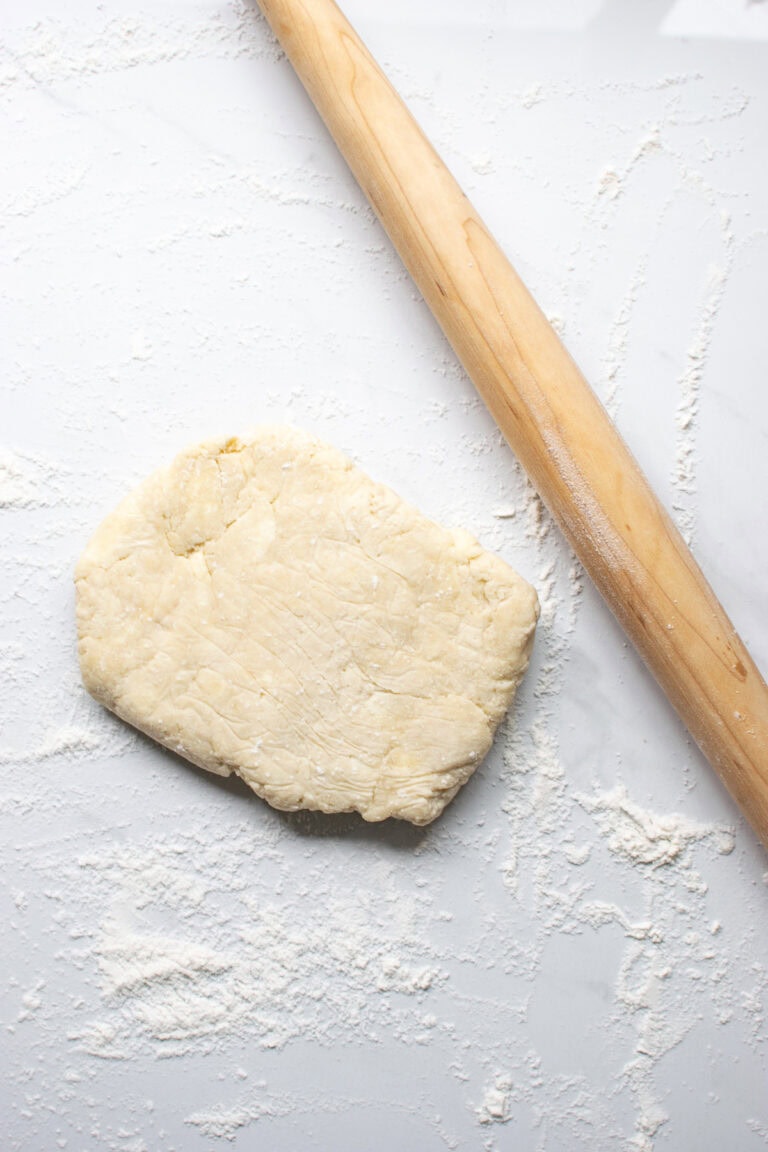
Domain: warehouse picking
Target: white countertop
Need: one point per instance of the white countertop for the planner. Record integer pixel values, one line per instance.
(574, 956)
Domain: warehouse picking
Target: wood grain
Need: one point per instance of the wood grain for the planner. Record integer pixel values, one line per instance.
(542, 403)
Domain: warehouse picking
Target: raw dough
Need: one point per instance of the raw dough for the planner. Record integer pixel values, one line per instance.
(263, 607)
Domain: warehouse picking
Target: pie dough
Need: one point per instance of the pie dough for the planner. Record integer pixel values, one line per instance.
(262, 607)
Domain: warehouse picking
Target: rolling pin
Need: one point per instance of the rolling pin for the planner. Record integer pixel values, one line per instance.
(543, 405)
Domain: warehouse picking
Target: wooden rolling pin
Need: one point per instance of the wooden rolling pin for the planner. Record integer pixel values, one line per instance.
(542, 403)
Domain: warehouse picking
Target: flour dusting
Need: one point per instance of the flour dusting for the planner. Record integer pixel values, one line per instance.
(644, 837)
(54, 49)
(28, 481)
(495, 1106)
(690, 388)
(567, 959)
(224, 1123)
(269, 970)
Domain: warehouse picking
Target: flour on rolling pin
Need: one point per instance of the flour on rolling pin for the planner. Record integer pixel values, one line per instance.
(264, 608)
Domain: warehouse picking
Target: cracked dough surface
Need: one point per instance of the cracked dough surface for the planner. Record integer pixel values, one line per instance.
(263, 607)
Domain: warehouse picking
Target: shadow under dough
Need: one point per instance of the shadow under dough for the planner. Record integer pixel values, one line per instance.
(398, 834)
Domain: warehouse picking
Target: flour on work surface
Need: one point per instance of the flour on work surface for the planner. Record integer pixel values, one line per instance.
(568, 959)
(261, 1103)
(690, 383)
(644, 837)
(57, 50)
(494, 1108)
(27, 481)
(67, 742)
(224, 1123)
(265, 968)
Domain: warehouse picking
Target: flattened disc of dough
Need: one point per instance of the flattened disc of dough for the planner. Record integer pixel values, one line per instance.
(263, 607)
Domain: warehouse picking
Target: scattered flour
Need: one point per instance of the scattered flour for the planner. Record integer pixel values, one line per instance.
(214, 942)
(69, 742)
(532, 96)
(270, 969)
(28, 481)
(55, 50)
(613, 180)
(618, 340)
(141, 348)
(690, 386)
(495, 1106)
(644, 837)
(224, 1123)
(482, 164)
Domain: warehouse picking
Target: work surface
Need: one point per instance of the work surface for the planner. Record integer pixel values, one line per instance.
(574, 956)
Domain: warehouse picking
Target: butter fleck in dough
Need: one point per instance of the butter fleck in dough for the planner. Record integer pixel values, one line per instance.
(263, 607)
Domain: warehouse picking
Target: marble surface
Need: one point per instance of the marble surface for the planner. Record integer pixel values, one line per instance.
(574, 956)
